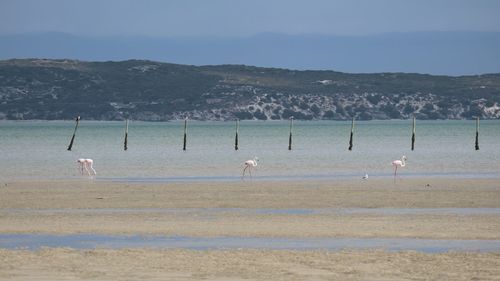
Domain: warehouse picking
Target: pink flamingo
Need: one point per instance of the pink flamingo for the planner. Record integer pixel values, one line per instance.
(400, 163)
(86, 164)
(248, 165)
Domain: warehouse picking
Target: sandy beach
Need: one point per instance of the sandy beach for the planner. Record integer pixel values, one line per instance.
(251, 209)
(143, 264)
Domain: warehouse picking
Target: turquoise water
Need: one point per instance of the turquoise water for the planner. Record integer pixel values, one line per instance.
(37, 149)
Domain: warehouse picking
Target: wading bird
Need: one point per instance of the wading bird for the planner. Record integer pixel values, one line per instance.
(86, 164)
(400, 163)
(248, 165)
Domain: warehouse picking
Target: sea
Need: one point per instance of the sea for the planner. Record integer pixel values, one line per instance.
(34, 150)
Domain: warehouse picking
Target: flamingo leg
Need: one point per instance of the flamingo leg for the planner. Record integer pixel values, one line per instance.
(87, 169)
(244, 170)
(250, 171)
(93, 170)
(395, 171)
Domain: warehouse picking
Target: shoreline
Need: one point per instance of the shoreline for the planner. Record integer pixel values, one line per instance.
(268, 178)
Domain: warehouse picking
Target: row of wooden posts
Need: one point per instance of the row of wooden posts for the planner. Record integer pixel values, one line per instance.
(125, 142)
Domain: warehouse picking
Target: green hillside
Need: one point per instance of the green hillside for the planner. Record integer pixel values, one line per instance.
(146, 90)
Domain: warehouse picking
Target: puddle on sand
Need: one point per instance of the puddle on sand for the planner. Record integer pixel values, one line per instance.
(421, 211)
(268, 211)
(90, 241)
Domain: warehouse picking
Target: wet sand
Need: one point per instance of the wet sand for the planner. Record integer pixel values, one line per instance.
(139, 208)
(407, 193)
(252, 225)
(60, 207)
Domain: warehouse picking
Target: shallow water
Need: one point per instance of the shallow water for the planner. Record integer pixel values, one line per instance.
(267, 211)
(91, 241)
(37, 149)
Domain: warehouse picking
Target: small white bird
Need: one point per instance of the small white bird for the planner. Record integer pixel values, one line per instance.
(365, 177)
(248, 165)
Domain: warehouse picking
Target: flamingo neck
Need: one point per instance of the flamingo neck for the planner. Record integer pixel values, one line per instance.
(403, 162)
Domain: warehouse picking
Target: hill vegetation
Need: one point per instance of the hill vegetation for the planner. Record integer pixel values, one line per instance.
(148, 90)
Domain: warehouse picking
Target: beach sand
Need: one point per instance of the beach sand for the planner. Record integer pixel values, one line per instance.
(85, 206)
(406, 193)
(144, 264)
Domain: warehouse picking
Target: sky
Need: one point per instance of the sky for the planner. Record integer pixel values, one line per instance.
(244, 18)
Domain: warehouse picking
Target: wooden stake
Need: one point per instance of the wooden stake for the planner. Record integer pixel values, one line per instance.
(126, 135)
(477, 133)
(74, 133)
(236, 136)
(185, 134)
(413, 136)
(290, 138)
(352, 132)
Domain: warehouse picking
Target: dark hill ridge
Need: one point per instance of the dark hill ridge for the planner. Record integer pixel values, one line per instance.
(148, 90)
(433, 52)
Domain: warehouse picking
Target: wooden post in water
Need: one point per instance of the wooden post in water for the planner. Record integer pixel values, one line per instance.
(477, 133)
(236, 136)
(185, 134)
(352, 132)
(125, 142)
(290, 137)
(413, 136)
(74, 133)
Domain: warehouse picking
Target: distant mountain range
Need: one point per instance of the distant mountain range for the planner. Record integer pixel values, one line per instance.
(440, 53)
(154, 91)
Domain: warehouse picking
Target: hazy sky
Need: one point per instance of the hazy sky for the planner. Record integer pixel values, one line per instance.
(246, 17)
